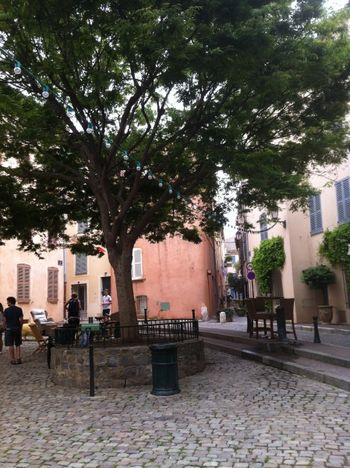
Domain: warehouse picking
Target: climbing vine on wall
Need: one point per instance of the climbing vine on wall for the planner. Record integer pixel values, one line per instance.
(269, 256)
(335, 246)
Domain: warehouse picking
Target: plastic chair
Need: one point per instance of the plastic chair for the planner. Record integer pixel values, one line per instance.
(40, 318)
(41, 340)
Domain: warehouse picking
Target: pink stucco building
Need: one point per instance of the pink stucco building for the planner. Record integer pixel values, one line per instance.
(170, 278)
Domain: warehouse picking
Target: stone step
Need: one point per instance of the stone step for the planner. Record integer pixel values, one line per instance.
(336, 355)
(325, 372)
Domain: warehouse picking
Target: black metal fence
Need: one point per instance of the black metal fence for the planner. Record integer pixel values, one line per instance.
(112, 334)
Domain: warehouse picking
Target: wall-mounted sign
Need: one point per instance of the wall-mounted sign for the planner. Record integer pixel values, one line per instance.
(251, 275)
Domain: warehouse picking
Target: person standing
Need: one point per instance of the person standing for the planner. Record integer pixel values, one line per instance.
(2, 326)
(13, 316)
(73, 307)
(106, 303)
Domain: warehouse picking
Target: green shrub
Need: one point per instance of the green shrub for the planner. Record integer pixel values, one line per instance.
(319, 277)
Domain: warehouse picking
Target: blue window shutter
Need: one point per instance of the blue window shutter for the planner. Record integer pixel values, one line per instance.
(342, 189)
(315, 214)
(80, 264)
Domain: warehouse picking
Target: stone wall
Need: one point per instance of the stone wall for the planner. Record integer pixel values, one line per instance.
(119, 366)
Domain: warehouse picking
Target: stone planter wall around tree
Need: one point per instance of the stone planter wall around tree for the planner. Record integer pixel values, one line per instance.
(119, 366)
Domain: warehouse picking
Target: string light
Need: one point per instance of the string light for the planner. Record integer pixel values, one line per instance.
(70, 111)
(18, 68)
(45, 92)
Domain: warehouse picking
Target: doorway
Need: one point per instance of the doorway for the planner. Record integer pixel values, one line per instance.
(141, 305)
(81, 291)
(106, 284)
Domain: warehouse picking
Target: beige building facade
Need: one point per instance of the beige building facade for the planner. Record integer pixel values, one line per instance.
(35, 283)
(302, 233)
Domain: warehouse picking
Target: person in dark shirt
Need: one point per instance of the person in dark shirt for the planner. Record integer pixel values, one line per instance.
(73, 307)
(13, 316)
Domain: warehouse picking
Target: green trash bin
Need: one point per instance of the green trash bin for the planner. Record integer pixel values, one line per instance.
(164, 369)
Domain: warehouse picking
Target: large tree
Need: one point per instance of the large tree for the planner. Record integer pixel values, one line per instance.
(121, 113)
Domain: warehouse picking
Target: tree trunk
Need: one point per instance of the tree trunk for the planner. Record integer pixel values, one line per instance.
(120, 260)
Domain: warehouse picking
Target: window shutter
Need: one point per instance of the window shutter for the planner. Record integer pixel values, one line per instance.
(52, 285)
(80, 264)
(82, 227)
(263, 227)
(23, 283)
(342, 189)
(315, 214)
(136, 267)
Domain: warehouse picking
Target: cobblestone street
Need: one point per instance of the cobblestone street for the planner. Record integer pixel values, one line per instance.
(235, 414)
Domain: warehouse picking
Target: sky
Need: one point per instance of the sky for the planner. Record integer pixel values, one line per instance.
(229, 229)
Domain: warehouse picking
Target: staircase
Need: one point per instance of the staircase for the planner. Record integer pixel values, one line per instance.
(325, 363)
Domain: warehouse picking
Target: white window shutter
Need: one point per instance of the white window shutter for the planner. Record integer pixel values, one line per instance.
(136, 266)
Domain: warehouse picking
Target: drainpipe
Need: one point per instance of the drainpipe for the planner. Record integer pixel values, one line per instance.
(64, 280)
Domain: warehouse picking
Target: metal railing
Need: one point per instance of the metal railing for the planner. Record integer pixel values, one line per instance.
(112, 334)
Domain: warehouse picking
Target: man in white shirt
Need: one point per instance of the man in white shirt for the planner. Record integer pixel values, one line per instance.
(106, 303)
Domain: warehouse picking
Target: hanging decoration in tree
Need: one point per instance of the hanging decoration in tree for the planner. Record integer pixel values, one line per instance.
(70, 112)
(18, 68)
(45, 93)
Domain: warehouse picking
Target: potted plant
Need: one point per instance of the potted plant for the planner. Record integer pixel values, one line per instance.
(319, 277)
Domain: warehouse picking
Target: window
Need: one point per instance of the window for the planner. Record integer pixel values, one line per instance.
(342, 188)
(23, 283)
(52, 285)
(263, 227)
(141, 305)
(82, 227)
(80, 264)
(136, 266)
(315, 214)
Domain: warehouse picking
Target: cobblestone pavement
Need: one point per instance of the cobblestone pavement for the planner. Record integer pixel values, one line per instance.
(240, 324)
(235, 414)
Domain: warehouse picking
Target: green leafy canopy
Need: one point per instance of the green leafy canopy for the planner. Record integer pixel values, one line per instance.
(255, 88)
